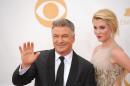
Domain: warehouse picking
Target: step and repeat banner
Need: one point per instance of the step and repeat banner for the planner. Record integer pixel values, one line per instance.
(30, 20)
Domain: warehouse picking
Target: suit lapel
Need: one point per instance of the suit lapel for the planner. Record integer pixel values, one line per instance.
(51, 68)
(73, 70)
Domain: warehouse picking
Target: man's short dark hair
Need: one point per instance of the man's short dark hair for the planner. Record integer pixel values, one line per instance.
(63, 23)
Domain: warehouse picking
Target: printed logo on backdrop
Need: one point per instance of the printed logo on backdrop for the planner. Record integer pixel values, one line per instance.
(127, 12)
(125, 21)
(47, 11)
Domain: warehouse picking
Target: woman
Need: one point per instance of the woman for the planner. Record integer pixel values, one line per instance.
(108, 58)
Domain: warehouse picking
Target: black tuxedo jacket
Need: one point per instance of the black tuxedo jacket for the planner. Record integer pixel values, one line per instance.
(43, 70)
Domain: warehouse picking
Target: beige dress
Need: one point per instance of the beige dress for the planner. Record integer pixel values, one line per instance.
(106, 73)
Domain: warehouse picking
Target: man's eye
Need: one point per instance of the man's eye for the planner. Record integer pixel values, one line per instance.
(65, 35)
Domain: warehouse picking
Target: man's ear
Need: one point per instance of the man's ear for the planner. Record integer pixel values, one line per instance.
(74, 37)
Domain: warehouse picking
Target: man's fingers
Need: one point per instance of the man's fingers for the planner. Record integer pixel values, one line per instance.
(20, 49)
(32, 46)
(24, 46)
(28, 45)
(37, 54)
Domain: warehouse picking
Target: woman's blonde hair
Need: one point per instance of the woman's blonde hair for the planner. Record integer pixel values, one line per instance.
(109, 17)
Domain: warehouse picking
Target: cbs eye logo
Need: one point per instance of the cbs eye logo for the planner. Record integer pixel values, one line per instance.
(47, 11)
(127, 12)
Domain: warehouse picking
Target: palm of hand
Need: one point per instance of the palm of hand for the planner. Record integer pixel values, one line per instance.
(27, 54)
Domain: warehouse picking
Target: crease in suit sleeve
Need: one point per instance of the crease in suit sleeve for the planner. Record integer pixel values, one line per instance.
(24, 79)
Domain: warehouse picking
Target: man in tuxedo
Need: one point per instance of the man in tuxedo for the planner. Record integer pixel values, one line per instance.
(50, 70)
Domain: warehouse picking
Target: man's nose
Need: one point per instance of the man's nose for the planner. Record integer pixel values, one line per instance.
(60, 39)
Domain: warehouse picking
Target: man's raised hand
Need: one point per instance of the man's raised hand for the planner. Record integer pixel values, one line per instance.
(27, 54)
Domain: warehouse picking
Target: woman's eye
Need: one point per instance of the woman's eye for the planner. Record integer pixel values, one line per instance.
(102, 27)
(95, 27)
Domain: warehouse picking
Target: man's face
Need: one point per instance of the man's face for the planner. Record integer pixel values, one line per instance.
(63, 39)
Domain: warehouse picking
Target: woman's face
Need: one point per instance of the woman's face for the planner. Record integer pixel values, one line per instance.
(102, 30)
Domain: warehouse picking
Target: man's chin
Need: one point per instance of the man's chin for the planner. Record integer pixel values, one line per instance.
(60, 52)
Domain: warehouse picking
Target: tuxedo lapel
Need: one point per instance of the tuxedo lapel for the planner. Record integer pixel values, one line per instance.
(73, 70)
(51, 68)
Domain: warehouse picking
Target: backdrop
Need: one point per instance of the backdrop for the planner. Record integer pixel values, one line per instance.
(30, 20)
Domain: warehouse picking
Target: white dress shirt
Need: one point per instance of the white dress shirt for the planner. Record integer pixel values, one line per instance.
(67, 65)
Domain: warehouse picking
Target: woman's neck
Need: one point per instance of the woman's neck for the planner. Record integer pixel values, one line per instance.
(108, 43)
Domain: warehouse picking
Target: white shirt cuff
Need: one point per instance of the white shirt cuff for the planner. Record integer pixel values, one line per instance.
(23, 70)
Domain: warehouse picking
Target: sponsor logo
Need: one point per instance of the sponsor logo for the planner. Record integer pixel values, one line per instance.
(46, 11)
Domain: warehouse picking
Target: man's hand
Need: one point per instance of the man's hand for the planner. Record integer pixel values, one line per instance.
(27, 54)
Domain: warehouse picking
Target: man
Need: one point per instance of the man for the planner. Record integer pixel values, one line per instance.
(50, 70)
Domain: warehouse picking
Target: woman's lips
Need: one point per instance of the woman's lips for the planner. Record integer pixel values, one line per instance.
(99, 37)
